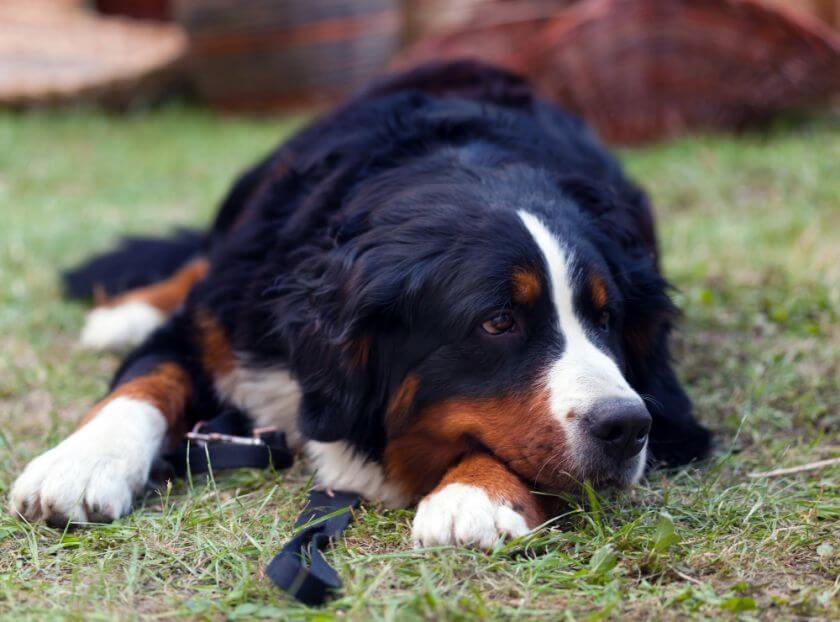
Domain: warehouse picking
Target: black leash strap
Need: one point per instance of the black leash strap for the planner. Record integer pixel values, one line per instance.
(225, 443)
(299, 569)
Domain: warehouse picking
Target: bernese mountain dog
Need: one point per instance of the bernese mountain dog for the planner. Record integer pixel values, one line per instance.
(446, 292)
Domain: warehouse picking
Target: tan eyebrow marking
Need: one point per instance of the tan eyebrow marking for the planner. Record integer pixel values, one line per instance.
(599, 290)
(526, 286)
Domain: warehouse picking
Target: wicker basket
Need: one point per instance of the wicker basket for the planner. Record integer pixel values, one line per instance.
(429, 17)
(643, 69)
(825, 10)
(280, 54)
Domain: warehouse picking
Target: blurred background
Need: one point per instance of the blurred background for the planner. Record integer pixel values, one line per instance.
(638, 70)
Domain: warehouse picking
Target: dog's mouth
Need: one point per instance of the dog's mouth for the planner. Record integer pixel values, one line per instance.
(562, 473)
(605, 472)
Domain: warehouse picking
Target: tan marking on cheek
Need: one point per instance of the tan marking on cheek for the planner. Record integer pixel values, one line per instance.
(599, 290)
(216, 352)
(518, 430)
(526, 286)
(167, 387)
(484, 471)
(167, 295)
(398, 413)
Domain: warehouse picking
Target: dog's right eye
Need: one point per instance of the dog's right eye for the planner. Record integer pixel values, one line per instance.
(500, 323)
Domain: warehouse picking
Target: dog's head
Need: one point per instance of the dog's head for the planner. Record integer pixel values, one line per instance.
(458, 313)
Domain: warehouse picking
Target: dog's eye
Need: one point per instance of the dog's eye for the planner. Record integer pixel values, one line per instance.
(604, 321)
(502, 322)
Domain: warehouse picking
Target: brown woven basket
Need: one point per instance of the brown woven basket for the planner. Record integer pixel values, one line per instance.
(430, 17)
(825, 10)
(643, 69)
(270, 54)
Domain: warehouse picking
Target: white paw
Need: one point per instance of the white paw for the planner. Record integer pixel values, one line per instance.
(461, 514)
(120, 327)
(94, 473)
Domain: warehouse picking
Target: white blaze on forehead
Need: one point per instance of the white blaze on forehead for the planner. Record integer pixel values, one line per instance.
(584, 374)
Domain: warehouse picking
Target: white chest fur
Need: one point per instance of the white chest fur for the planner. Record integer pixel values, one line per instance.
(269, 396)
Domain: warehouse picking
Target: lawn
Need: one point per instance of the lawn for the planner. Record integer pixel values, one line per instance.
(750, 231)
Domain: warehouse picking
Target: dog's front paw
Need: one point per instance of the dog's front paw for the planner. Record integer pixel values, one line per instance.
(94, 474)
(61, 485)
(461, 514)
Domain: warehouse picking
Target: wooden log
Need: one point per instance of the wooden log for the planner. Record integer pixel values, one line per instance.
(54, 52)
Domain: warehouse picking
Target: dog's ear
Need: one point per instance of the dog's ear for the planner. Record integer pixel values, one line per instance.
(350, 350)
(676, 437)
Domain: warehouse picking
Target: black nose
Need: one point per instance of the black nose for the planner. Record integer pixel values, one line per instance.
(621, 427)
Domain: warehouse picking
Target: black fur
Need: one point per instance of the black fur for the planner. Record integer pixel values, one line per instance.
(393, 223)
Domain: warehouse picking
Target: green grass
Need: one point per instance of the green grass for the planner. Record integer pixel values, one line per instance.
(751, 237)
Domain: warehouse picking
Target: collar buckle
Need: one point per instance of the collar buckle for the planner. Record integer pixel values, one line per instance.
(207, 438)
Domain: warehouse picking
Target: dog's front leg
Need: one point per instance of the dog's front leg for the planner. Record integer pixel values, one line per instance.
(93, 474)
(477, 502)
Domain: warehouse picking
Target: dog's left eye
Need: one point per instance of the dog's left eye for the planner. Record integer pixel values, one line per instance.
(502, 322)
(604, 320)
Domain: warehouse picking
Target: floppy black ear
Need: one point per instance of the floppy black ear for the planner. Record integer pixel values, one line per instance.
(352, 348)
(334, 356)
(676, 437)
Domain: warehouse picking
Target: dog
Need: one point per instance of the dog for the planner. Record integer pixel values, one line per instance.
(446, 292)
